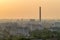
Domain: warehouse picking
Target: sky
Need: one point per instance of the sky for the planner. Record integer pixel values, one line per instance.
(51, 9)
(29, 9)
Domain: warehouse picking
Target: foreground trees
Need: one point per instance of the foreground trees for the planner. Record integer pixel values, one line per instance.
(44, 34)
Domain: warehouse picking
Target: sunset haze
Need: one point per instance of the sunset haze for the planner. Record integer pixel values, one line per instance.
(29, 9)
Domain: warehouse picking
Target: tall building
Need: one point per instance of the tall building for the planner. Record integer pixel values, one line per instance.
(40, 13)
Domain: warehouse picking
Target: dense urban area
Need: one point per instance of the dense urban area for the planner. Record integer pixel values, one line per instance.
(29, 29)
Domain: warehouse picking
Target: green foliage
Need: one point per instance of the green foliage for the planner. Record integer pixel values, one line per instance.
(45, 34)
(36, 34)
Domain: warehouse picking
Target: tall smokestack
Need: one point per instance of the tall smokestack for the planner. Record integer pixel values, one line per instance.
(39, 13)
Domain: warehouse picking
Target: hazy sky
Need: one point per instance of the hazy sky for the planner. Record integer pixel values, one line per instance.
(17, 9)
(52, 10)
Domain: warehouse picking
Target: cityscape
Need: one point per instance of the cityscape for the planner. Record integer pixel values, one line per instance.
(29, 20)
(25, 27)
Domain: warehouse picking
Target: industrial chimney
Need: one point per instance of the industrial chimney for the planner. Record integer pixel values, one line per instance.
(39, 13)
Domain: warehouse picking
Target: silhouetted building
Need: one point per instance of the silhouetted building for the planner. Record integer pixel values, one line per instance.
(40, 13)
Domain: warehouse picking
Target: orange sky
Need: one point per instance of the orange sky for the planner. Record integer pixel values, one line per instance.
(51, 9)
(26, 9)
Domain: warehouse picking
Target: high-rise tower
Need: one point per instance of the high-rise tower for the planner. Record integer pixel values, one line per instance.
(39, 13)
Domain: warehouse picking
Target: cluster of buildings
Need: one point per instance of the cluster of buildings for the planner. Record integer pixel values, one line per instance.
(24, 27)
